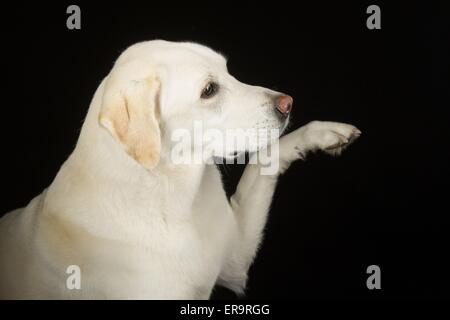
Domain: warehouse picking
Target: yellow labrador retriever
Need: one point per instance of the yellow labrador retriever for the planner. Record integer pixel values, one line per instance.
(132, 222)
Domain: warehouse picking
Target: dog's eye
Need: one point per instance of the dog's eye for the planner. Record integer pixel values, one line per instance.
(210, 90)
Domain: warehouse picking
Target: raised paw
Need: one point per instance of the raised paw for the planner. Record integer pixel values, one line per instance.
(331, 137)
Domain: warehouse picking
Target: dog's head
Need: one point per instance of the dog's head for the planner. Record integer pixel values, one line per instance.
(157, 88)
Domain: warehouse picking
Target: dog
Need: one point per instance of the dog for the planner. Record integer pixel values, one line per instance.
(130, 221)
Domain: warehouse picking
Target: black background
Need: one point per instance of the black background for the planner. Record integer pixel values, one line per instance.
(383, 202)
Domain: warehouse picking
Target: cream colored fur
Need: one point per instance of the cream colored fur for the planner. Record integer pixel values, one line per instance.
(138, 225)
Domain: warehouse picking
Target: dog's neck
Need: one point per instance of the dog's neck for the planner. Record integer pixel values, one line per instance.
(101, 166)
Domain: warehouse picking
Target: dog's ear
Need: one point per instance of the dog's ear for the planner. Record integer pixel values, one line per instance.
(130, 112)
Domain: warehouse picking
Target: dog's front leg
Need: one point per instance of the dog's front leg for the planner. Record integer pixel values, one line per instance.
(253, 196)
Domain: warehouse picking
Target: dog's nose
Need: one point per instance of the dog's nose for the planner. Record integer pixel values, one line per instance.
(284, 104)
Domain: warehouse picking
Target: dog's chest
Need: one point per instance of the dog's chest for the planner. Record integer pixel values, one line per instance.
(190, 253)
